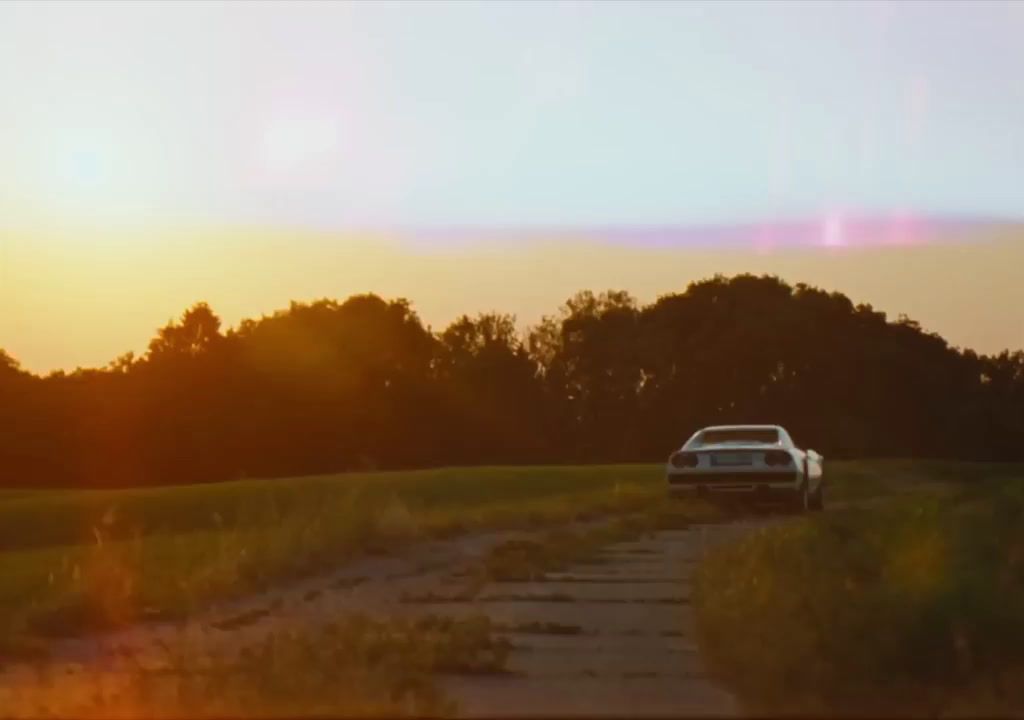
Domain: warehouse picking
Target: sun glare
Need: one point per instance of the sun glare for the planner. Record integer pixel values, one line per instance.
(82, 174)
(84, 168)
(297, 141)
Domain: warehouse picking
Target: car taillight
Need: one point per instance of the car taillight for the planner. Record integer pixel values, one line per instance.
(684, 459)
(777, 458)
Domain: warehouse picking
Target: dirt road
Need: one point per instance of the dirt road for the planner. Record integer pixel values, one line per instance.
(619, 640)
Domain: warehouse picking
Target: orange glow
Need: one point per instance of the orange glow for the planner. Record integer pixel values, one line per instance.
(71, 299)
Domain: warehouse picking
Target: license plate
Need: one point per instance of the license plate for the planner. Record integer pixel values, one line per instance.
(731, 459)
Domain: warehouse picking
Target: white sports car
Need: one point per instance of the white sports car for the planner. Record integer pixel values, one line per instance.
(747, 461)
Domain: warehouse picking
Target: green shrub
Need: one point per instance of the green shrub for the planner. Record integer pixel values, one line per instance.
(915, 605)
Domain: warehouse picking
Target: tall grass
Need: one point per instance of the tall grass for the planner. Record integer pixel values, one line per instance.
(77, 561)
(355, 666)
(80, 561)
(912, 606)
(55, 517)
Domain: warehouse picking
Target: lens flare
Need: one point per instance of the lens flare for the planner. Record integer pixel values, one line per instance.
(833, 232)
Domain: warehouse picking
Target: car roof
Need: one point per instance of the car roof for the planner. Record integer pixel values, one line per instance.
(784, 436)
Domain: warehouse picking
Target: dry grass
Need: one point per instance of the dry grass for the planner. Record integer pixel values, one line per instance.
(79, 562)
(913, 606)
(532, 560)
(354, 667)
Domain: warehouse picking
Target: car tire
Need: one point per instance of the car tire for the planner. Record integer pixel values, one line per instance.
(802, 499)
(817, 499)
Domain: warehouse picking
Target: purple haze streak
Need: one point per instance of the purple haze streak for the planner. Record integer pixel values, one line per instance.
(831, 232)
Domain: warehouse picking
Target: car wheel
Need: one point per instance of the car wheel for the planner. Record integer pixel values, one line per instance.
(802, 501)
(818, 497)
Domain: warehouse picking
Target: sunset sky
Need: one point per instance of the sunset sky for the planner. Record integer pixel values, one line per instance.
(500, 156)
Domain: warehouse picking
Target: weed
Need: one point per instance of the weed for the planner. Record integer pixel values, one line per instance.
(347, 583)
(79, 561)
(529, 597)
(250, 617)
(909, 606)
(352, 667)
(610, 580)
(532, 560)
(544, 628)
(465, 595)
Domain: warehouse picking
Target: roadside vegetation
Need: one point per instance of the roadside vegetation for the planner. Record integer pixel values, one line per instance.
(354, 667)
(81, 561)
(75, 562)
(533, 560)
(908, 602)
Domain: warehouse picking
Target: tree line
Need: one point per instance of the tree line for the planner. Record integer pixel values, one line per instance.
(331, 386)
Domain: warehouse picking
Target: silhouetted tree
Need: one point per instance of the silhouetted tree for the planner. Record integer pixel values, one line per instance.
(490, 392)
(593, 369)
(330, 386)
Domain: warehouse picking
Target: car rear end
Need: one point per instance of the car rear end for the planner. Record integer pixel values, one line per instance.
(750, 472)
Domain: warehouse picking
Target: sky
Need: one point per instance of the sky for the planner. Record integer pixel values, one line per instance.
(465, 154)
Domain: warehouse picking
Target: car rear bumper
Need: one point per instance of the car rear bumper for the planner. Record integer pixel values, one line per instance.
(755, 484)
(761, 492)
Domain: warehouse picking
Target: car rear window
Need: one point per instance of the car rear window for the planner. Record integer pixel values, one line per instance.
(751, 435)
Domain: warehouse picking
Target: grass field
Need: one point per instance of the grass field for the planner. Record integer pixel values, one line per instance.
(910, 604)
(73, 561)
(355, 666)
(76, 561)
